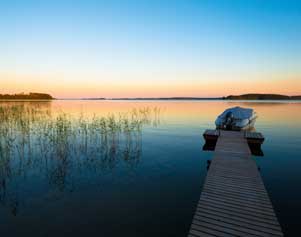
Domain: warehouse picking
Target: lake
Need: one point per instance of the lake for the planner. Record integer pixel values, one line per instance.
(130, 168)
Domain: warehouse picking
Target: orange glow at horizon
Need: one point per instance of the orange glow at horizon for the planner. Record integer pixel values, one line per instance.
(62, 88)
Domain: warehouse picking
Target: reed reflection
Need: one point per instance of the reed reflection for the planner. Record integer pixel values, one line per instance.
(59, 148)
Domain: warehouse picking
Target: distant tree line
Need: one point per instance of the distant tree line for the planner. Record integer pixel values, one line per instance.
(262, 97)
(23, 96)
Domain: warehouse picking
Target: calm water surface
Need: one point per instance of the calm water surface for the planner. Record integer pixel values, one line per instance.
(131, 168)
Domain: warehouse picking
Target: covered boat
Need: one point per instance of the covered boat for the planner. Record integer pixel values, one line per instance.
(236, 118)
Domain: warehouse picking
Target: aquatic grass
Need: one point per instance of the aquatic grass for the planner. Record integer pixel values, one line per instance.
(59, 145)
(19, 123)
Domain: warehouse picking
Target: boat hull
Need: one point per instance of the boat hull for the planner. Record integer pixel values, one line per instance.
(236, 118)
(238, 125)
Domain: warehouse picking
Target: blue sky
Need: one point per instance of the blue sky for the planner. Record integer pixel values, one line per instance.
(139, 41)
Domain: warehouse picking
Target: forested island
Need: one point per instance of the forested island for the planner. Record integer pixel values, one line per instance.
(23, 96)
(262, 97)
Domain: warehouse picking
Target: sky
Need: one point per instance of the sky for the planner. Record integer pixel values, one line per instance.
(150, 48)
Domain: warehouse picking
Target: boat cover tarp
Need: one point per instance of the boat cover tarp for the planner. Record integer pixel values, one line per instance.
(238, 113)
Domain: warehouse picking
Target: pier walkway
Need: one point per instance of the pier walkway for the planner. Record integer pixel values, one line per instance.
(234, 201)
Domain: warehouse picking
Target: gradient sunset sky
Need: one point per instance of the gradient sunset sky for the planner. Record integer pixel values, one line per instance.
(150, 48)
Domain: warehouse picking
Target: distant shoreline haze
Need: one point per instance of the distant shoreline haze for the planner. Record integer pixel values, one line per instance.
(44, 96)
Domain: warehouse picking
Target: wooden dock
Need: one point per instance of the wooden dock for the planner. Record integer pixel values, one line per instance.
(234, 201)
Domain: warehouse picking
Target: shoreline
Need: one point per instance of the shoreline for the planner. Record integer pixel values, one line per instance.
(156, 100)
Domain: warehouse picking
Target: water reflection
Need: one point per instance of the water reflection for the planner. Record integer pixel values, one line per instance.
(104, 184)
(256, 149)
(209, 145)
(59, 148)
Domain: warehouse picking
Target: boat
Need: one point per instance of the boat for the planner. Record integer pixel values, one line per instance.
(236, 118)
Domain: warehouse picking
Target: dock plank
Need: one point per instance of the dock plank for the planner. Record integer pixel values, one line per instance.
(234, 200)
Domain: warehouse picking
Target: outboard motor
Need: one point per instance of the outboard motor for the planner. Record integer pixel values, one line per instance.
(229, 120)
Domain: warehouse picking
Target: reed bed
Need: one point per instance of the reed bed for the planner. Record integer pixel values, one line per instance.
(61, 146)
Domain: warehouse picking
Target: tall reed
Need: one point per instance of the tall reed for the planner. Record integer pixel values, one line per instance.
(59, 146)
